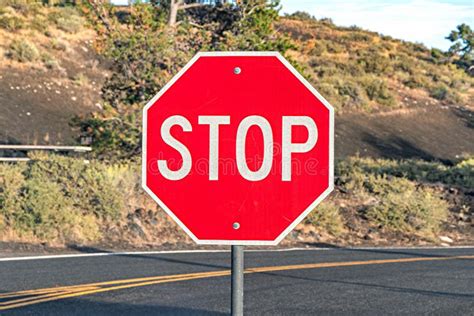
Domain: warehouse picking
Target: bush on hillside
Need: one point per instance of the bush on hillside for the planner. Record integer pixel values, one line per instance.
(40, 24)
(377, 90)
(66, 19)
(23, 51)
(300, 15)
(60, 199)
(460, 174)
(58, 45)
(443, 93)
(54, 198)
(393, 202)
(72, 24)
(24, 7)
(49, 61)
(11, 186)
(11, 23)
(400, 205)
(327, 218)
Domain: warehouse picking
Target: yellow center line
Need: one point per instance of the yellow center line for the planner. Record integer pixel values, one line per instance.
(51, 294)
(347, 264)
(56, 289)
(99, 287)
(113, 288)
(29, 292)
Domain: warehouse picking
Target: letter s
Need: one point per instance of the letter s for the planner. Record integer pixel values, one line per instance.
(173, 142)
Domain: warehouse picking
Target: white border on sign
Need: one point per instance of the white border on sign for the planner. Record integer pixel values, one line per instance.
(331, 150)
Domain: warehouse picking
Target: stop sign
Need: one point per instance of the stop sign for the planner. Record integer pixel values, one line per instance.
(238, 148)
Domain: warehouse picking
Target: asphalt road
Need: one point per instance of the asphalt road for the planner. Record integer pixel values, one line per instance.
(298, 282)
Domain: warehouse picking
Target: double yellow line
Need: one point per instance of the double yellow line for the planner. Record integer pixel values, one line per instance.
(29, 297)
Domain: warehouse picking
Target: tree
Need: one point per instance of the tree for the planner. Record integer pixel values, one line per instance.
(255, 28)
(145, 55)
(463, 41)
(175, 6)
(300, 15)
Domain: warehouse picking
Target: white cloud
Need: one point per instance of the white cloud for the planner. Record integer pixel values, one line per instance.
(424, 21)
(119, 2)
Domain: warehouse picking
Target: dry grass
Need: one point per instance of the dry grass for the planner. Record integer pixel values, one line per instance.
(360, 70)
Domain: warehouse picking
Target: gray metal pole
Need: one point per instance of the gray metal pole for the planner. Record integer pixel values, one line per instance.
(237, 302)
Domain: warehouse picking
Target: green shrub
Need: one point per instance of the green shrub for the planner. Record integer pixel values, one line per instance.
(319, 48)
(50, 214)
(54, 198)
(66, 19)
(393, 200)
(335, 48)
(11, 23)
(70, 25)
(300, 15)
(439, 92)
(461, 174)
(23, 51)
(24, 7)
(416, 81)
(40, 24)
(49, 61)
(352, 94)
(357, 36)
(374, 63)
(402, 206)
(87, 185)
(326, 217)
(58, 44)
(437, 55)
(443, 93)
(81, 79)
(47, 212)
(11, 191)
(377, 90)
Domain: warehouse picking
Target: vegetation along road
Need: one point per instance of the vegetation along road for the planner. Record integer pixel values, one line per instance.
(316, 281)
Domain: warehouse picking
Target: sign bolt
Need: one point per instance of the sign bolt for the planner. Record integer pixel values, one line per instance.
(236, 225)
(237, 70)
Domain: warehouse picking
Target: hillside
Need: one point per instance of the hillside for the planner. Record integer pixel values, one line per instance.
(404, 123)
(382, 88)
(49, 72)
(358, 70)
(395, 99)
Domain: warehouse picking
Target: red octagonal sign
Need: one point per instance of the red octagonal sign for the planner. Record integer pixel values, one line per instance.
(238, 148)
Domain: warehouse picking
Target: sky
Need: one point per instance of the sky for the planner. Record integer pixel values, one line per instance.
(423, 21)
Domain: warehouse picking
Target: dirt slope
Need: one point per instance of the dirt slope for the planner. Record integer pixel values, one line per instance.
(430, 133)
(38, 104)
(49, 72)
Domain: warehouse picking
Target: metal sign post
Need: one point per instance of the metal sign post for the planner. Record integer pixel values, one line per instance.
(237, 299)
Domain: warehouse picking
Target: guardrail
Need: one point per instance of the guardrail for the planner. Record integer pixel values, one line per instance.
(79, 149)
(13, 159)
(46, 147)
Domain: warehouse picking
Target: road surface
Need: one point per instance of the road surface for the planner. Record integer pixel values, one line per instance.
(371, 281)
